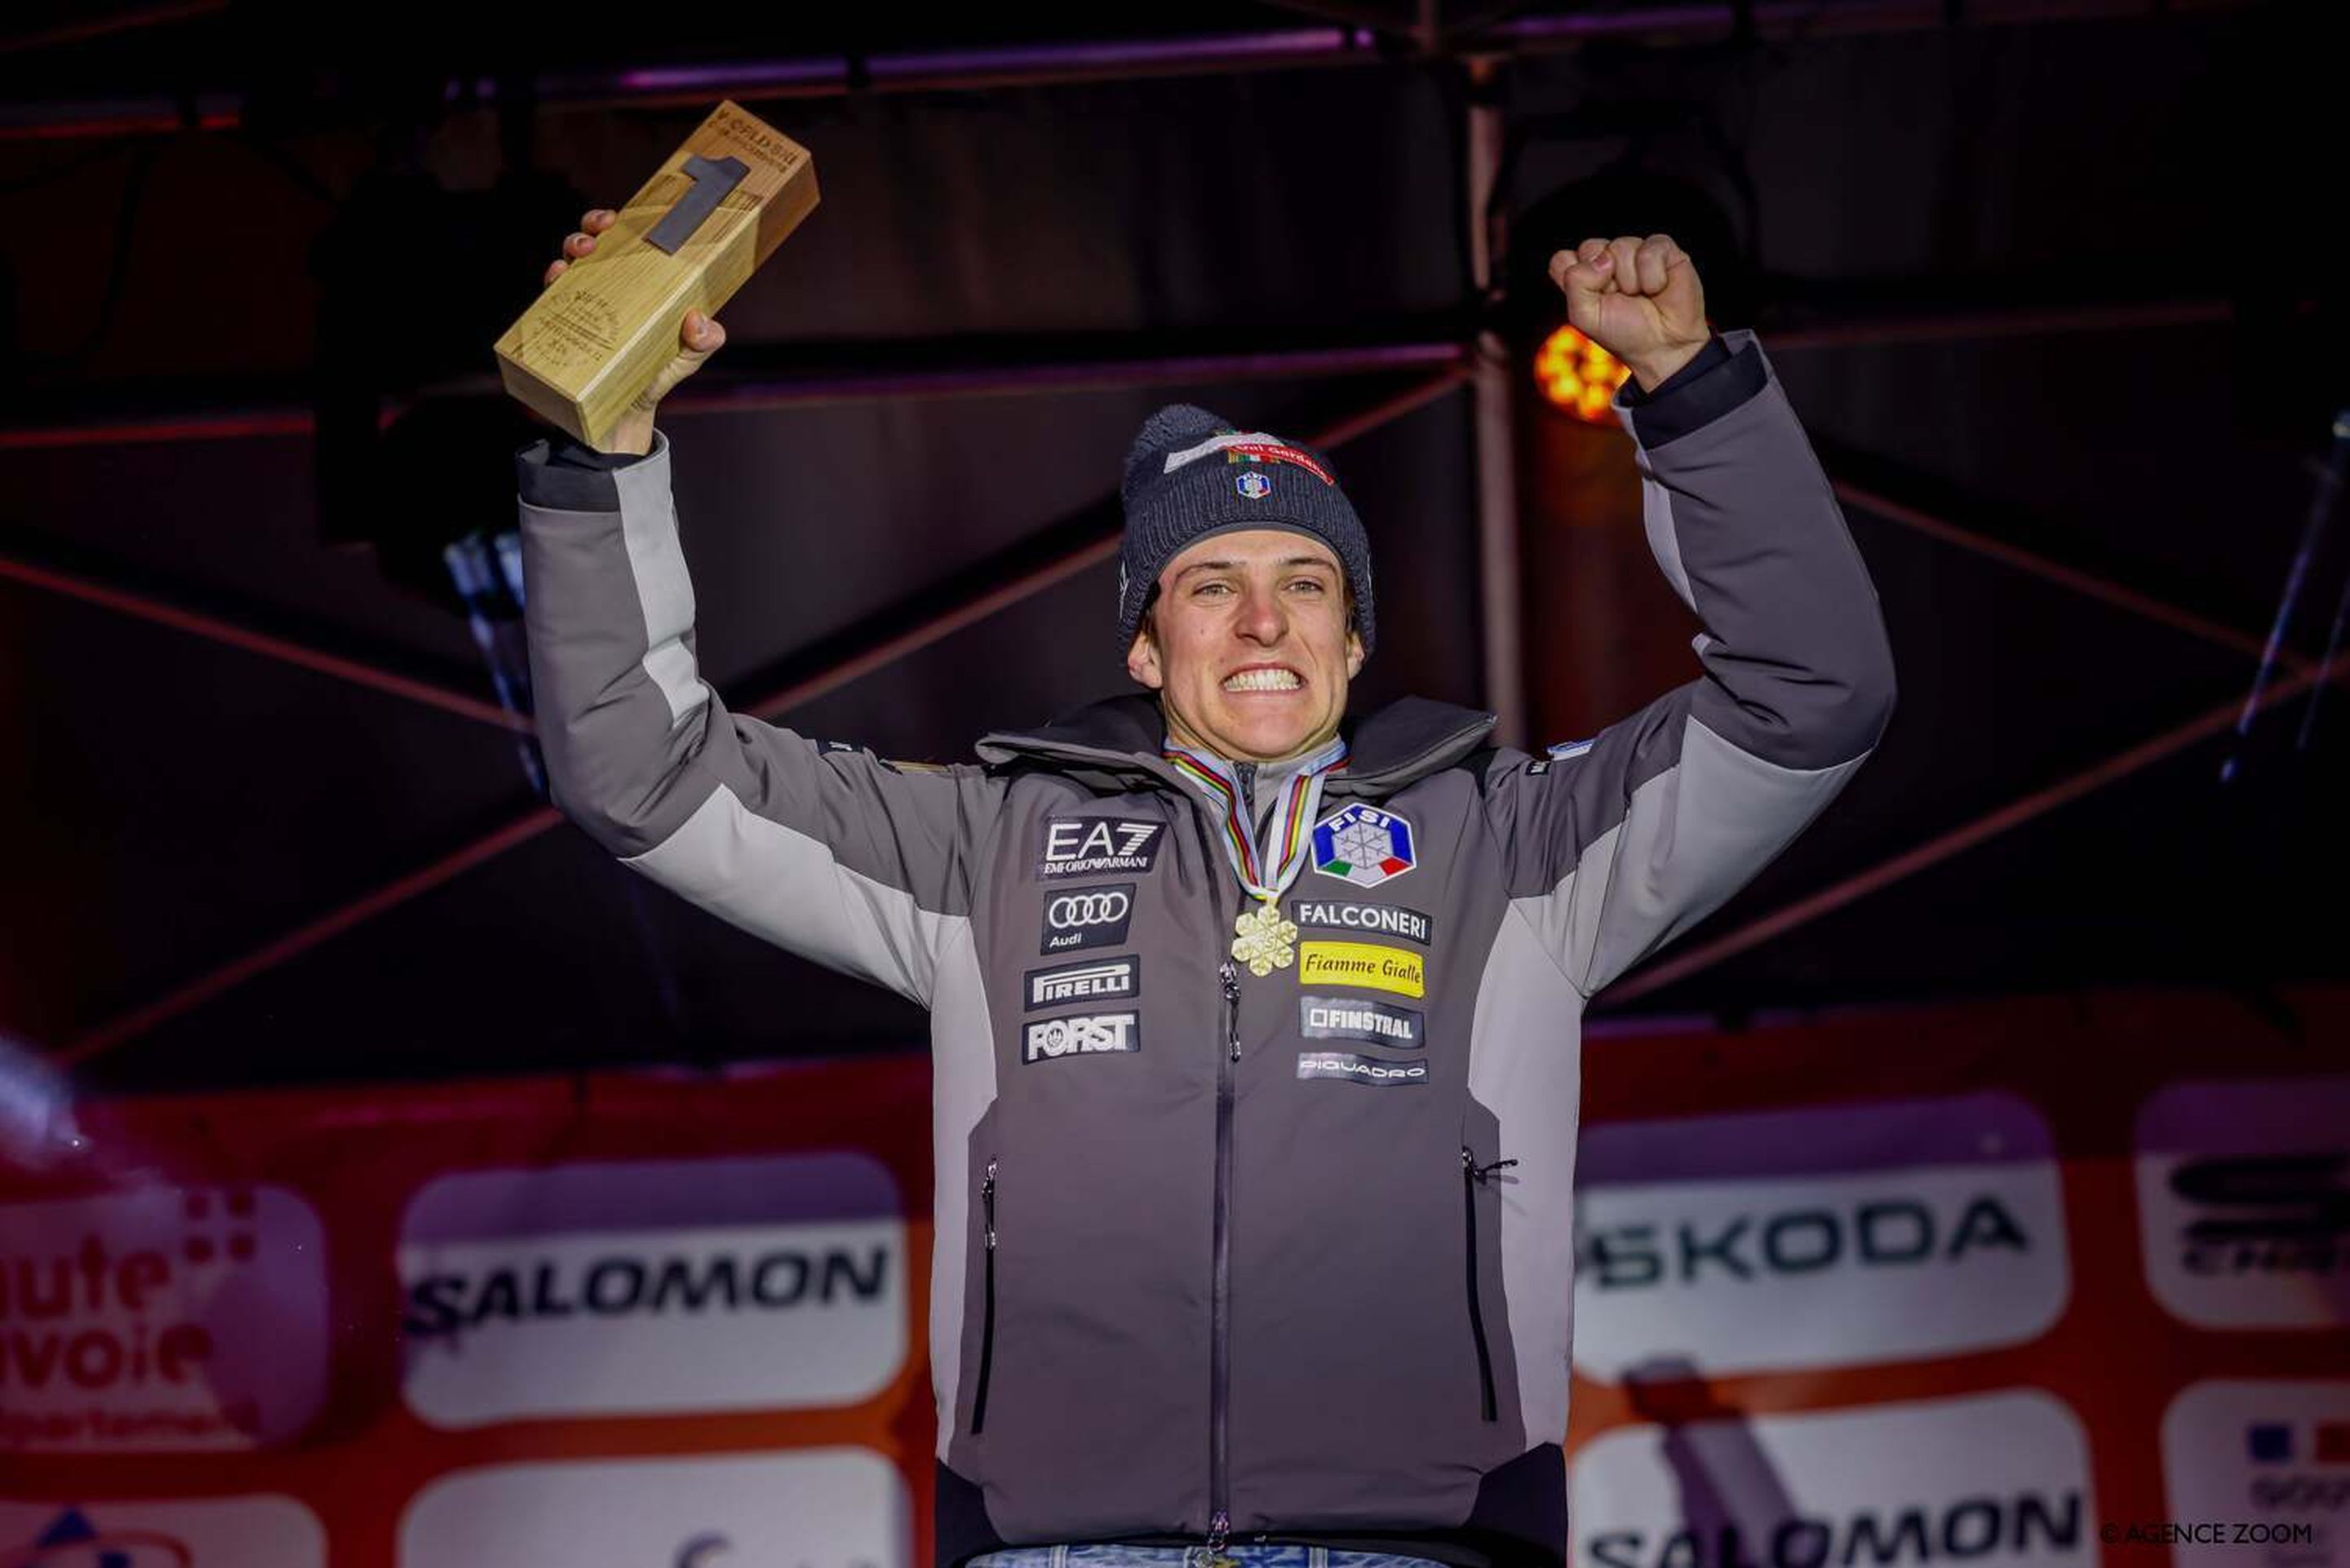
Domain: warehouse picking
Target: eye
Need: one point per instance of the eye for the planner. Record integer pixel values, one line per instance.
(1311, 585)
(1206, 589)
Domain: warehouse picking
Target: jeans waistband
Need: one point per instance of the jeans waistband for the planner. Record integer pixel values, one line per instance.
(1248, 1555)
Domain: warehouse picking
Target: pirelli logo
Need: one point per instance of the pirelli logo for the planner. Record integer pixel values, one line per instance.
(1362, 963)
(1111, 980)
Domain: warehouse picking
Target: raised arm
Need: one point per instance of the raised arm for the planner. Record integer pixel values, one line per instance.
(1617, 844)
(826, 850)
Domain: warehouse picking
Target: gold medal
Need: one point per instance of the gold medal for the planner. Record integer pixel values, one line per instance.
(1261, 939)
(1265, 942)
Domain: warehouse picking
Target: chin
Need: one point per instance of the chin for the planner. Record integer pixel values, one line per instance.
(1271, 744)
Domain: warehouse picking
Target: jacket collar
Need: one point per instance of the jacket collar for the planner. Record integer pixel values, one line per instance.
(1113, 744)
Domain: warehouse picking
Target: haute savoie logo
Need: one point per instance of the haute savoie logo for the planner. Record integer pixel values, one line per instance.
(163, 1318)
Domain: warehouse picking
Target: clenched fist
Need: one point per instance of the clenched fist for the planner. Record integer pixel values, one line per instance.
(698, 338)
(1638, 299)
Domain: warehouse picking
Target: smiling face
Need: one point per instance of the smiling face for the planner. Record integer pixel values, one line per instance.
(1248, 645)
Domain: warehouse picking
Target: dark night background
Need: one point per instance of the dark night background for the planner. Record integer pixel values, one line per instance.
(2048, 275)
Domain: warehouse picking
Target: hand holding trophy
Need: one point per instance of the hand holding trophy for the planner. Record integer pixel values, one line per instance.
(621, 323)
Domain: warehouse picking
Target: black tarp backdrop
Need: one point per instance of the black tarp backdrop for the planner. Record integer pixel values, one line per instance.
(182, 804)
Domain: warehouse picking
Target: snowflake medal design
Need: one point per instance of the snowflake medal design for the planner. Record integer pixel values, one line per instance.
(1266, 942)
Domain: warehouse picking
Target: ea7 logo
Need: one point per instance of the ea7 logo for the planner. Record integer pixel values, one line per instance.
(1083, 1035)
(1098, 845)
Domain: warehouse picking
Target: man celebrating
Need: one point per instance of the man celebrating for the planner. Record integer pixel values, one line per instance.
(1255, 1031)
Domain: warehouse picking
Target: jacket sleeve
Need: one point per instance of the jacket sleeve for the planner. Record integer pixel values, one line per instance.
(1615, 845)
(820, 847)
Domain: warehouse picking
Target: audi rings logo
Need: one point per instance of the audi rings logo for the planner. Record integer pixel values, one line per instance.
(1073, 909)
(1087, 917)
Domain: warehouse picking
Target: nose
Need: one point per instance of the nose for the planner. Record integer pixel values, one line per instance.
(1263, 617)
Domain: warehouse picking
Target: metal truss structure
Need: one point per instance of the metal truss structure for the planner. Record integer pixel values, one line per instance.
(1439, 368)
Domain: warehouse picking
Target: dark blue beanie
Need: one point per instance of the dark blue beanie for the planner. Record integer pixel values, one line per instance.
(1191, 474)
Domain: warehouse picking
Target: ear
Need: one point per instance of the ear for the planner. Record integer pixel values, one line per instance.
(1354, 653)
(1142, 657)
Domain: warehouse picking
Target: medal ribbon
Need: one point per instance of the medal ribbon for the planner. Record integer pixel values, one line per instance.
(1293, 819)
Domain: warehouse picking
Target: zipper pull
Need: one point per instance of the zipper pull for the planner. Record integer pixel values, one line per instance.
(1482, 1172)
(987, 1195)
(1231, 978)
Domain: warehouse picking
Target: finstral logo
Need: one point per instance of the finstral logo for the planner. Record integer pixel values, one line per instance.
(1084, 1035)
(1350, 1018)
(638, 1287)
(261, 1531)
(1994, 1481)
(2244, 1201)
(2268, 1449)
(163, 1319)
(1819, 1237)
(810, 1508)
(1098, 846)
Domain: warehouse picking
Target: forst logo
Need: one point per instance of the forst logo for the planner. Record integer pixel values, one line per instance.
(1085, 1034)
(1086, 918)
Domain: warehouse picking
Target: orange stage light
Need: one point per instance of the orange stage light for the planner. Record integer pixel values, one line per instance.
(1578, 375)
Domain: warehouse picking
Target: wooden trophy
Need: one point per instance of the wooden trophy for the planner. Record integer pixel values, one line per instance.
(591, 344)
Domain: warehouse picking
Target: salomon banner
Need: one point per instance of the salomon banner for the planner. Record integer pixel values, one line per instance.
(2039, 1282)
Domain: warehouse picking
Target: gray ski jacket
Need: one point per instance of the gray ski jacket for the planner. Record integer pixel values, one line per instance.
(1295, 1251)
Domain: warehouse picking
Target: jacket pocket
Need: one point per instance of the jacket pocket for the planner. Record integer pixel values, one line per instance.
(987, 1309)
(1471, 1176)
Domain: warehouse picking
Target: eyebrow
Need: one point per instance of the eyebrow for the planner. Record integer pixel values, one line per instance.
(1228, 566)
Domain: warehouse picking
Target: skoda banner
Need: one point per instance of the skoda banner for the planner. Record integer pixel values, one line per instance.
(2044, 1282)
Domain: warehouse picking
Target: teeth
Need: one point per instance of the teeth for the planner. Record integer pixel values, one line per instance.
(1263, 681)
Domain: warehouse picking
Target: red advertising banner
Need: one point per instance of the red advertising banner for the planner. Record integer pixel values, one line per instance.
(2039, 1280)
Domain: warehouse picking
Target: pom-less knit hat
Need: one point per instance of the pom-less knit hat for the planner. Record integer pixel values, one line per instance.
(1191, 474)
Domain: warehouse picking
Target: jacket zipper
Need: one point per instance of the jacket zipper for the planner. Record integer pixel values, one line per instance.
(1228, 981)
(1220, 1522)
(1472, 1173)
(987, 1322)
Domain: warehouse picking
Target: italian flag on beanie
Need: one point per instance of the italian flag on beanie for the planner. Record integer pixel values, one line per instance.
(1191, 474)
